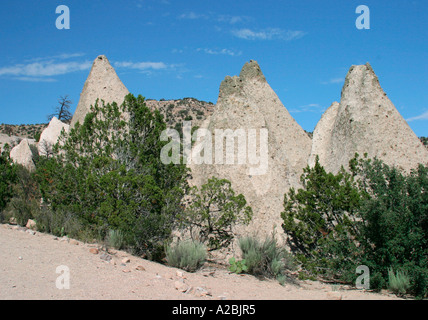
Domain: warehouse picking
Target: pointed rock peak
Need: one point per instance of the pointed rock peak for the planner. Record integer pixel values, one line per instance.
(366, 121)
(251, 70)
(102, 83)
(55, 121)
(359, 77)
(233, 85)
(102, 65)
(369, 67)
(101, 60)
(50, 135)
(23, 155)
(360, 69)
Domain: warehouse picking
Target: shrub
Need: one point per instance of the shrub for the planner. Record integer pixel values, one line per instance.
(108, 174)
(321, 222)
(183, 112)
(265, 259)
(395, 232)
(37, 136)
(115, 239)
(398, 282)
(62, 223)
(213, 211)
(7, 178)
(21, 210)
(186, 255)
(238, 266)
(375, 216)
(26, 199)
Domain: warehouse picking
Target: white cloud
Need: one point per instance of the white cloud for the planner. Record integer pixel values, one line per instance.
(268, 34)
(175, 50)
(34, 79)
(333, 81)
(141, 65)
(423, 116)
(192, 16)
(312, 107)
(232, 19)
(44, 69)
(221, 51)
(63, 56)
(150, 68)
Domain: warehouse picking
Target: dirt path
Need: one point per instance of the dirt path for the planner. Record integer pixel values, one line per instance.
(29, 262)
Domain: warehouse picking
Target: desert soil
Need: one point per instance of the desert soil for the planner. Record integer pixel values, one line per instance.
(29, 261)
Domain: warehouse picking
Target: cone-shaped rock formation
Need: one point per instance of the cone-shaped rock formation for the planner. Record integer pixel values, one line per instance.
(366, 121)
(271, 155)
(102, 83)
(22, 155)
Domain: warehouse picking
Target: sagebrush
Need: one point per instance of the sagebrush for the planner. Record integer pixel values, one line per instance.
(187, 255)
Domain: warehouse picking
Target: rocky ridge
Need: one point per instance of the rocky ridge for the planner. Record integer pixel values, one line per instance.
(365, 121)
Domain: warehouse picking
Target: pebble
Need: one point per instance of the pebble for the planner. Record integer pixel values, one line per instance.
(126, 260)
(208, 273)
(190, 290)
(93, 250)
(180, 286)
(31, 224)
(140, 268)
(202, 292)
(106, 257)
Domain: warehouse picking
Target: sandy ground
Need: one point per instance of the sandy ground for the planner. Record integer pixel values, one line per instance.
(29, 262)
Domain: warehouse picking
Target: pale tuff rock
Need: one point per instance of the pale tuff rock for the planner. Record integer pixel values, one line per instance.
(322, 135)
(50, 135)
(21, 154)
(248, 102)
(366, 122)
(31, 224)
(5, 139)
(102, 83)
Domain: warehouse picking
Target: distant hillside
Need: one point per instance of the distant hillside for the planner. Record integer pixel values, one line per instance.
(186, 109)
(24, 130)
(424, 141)
(174, 112)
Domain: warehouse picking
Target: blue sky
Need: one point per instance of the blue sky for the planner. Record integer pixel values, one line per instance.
(174, 49)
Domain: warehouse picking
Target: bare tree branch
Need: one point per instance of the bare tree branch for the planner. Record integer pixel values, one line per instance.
(62, 111)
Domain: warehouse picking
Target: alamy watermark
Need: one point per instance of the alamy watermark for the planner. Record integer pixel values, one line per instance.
(62, 21)
(363, 281)
(363, 20)
(240, 146)
(63, 280)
